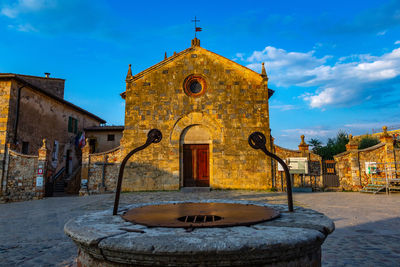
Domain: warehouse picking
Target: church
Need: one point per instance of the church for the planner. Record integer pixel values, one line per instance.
(206, 106)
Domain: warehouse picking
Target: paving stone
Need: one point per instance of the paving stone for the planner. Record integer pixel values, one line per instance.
(32, 226)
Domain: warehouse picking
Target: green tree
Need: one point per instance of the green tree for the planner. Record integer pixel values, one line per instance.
(316, 145)
(333, 146)
(368, 141)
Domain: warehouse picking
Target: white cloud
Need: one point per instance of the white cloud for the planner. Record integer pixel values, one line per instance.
(9, 12)
(309, 133)
(240, 56)
(344, 82)
(366, 125)
(397, 42)
(283, 107)
(381, 33)
(24, 6)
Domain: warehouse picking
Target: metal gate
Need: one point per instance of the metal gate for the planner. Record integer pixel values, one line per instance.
(329, 177)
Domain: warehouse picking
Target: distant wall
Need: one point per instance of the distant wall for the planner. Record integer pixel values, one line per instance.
(51, 85)
(285, 153)
(99, 166)
(350, 165)
(102, 142)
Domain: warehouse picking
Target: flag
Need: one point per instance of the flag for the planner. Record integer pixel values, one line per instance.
(82, 141)
(198, 29)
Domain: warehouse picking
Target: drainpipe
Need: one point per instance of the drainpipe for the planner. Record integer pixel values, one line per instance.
(17, 115)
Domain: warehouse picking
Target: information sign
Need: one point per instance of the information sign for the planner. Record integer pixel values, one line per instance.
(371, 167)
(298, 165)
(39, 181)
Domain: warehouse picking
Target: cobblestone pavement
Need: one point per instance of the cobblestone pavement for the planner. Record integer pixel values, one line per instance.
(367, 226)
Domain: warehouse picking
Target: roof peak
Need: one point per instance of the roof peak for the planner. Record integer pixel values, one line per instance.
(195, 42)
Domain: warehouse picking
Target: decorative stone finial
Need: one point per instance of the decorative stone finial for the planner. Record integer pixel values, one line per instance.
(129, 75)
(385, 136)
(351, 140)
(352, 144)
(43, 152)
(385, 133)
(44, 143)
(303, 146)
(302, 140)
(263, 72)
(195, 42)
(165, 56)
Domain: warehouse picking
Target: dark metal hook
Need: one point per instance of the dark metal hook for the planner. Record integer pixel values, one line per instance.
(258, 140)
(154, 136)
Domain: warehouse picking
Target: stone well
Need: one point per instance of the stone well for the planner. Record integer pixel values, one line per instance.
(292, 239)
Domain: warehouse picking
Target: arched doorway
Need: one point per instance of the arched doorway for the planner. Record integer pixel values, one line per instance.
(195, 156)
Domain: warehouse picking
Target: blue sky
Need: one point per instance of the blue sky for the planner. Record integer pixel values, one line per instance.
(333, 64)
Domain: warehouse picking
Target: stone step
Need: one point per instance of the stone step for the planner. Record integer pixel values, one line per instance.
(195, 189)
(59, 186)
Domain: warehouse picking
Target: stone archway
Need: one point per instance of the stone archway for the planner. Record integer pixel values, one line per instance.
(197, 118)
(181, 132)
(195, 156)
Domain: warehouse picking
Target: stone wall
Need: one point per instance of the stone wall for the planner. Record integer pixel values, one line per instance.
(52, 123)
(350, 165)
(25, 176)
(99, 171)
(315, 166)
(53, 86)
(4, 110)
(21, 177)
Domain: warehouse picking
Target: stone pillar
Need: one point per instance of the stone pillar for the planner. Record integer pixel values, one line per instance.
(352, 147)
(84, 190)
(41, 171)
(303, 147)
(4, 175)
(305, 153)
(390, 160)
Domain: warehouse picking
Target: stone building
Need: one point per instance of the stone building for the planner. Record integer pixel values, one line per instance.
(103, 138)
(32, 109)
(206, 106)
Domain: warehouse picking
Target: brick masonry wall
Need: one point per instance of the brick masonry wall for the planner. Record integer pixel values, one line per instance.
(234, 105)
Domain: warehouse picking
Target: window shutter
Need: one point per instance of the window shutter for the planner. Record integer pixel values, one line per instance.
(70, 125)
(76, 126)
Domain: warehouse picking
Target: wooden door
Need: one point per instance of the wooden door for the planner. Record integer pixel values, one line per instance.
(196, 170)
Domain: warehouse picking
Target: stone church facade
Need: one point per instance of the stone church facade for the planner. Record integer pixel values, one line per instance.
(206, 106)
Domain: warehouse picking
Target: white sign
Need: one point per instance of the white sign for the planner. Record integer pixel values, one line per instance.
(280, 168)
(371, 167)
(39, 181)
(84, 183)
(298, 165)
